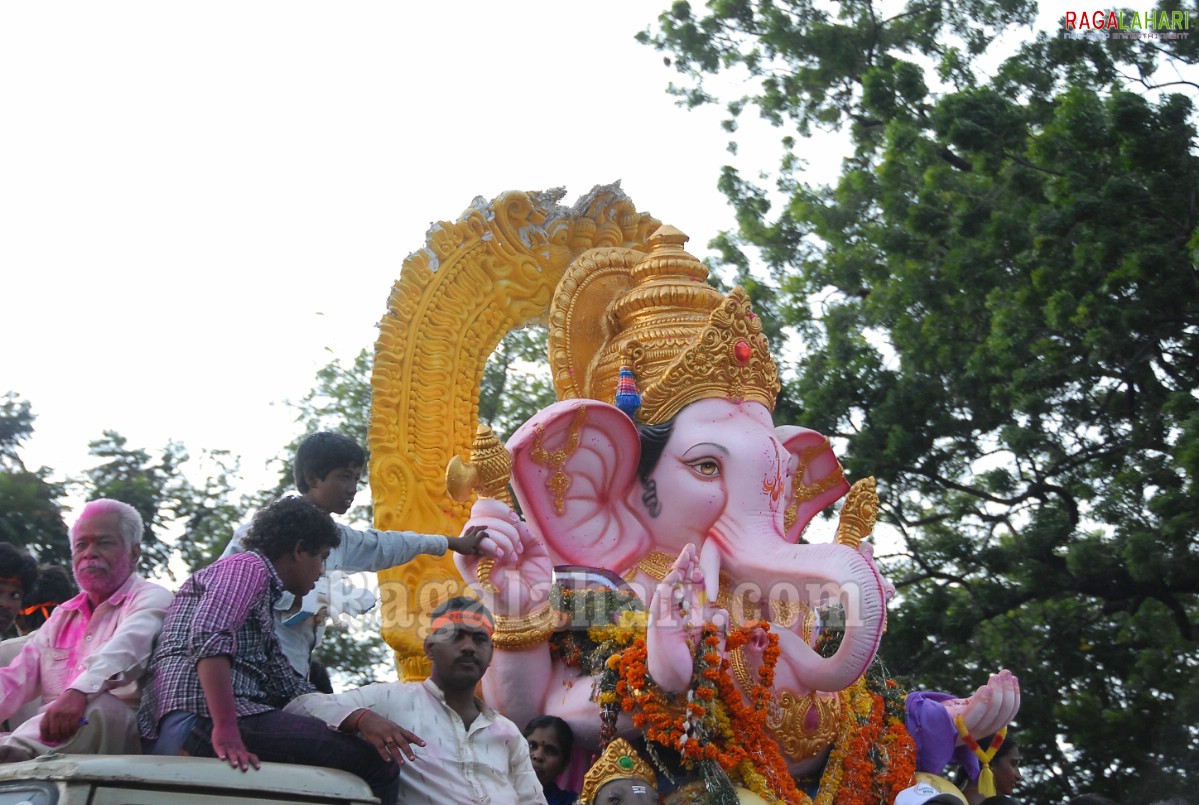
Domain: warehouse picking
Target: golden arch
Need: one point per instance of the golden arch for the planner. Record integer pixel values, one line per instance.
(476, 279)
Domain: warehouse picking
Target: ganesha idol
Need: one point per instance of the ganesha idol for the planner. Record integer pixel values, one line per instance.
(661, 465)
(660, 473)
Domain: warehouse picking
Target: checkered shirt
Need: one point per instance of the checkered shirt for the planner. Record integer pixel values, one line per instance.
(224, 609)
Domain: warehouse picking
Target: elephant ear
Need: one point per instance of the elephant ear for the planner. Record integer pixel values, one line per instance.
(818, 480)
(573, 464)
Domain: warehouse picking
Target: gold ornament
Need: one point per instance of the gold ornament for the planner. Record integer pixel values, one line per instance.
(488, 473)
(682, 339)
(577, 315)
(787, 719)
(741, 669)
(483, 575)
(525, 631)
(791, 514)
(618, 762)
(741, 611)
(859, 513)
(559, 481)
(656, 566)
(731, 360)
(475, 279)
(805, 492)
(783, 612)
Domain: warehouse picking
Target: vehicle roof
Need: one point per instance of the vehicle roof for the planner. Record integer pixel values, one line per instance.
(178, 772)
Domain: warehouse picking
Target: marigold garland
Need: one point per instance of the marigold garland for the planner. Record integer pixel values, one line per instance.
(874, 757)
(712, 723)
(715, 727)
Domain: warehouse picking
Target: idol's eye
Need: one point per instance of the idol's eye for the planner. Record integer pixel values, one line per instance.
(707, 467)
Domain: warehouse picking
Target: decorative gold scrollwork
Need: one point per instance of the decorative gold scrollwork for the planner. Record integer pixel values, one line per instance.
(803, 725)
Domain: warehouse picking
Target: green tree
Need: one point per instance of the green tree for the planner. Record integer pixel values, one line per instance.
(516, 381)
(999, 307)
(30, 514)
(146, 482)
(211, 511)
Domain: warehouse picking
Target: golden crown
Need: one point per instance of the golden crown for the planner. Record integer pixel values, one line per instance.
(680, 339)
(618, 762)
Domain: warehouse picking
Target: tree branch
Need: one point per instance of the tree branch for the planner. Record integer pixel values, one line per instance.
(954, 160)
(1031, 166)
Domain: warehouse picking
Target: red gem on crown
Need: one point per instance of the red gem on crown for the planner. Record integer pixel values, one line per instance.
(741, 351)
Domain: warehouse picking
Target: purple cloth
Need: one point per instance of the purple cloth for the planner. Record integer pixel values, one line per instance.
(935, 735)
(224, 609)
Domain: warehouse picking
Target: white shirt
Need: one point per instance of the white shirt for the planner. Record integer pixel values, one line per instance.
(105, 650)
(9, 649)
(487, 764)
(301, 628)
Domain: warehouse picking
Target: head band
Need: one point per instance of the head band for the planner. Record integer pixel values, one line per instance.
(12, 580)
(45, 608)
(464, 617)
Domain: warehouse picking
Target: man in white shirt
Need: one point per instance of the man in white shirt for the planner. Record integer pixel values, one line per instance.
(468, 753)
(82, 667)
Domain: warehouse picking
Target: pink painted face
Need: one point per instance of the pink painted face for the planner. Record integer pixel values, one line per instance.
(101, 559)
(720, 456)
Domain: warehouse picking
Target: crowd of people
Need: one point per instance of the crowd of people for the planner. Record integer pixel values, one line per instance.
(222, 667)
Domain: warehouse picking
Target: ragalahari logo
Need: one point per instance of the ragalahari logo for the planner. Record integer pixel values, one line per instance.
(1121, 24)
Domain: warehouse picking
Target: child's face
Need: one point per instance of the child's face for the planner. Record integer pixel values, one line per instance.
(335, 492)
(10, 603)
(299, 570)
(545, 750)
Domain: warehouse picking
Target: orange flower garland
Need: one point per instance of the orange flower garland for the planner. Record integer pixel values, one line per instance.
(872, 760)
(874, 757)
(750, 745)
(714, 723)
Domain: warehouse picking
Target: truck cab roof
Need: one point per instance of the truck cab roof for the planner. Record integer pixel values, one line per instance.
(143, 779)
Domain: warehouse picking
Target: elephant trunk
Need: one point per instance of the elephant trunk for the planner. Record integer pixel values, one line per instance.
(820, 575)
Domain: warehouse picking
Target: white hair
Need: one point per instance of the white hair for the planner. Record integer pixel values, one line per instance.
(129, 520)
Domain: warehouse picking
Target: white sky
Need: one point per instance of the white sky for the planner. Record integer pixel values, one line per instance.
(201, 204)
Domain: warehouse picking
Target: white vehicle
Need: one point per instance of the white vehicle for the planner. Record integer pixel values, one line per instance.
(147, 780)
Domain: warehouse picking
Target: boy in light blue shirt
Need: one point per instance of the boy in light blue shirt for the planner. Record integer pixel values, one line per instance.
(327, 469)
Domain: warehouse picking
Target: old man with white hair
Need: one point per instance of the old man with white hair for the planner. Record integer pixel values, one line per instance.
(82, 667)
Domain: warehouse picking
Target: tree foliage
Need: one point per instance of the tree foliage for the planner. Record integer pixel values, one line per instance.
(516, 382)
(30, 513)
(211, 511)
(999, 305)
(146, 482)
(183, 521)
